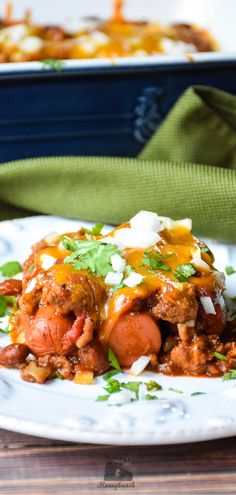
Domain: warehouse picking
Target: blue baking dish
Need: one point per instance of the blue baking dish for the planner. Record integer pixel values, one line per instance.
(102, 107)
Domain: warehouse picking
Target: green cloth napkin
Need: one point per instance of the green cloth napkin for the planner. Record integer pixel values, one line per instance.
(188, 169)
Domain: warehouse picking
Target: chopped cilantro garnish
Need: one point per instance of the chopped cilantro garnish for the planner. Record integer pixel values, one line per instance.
(152, 386)
(183, 272)
(6, 301)
(3, 306)
(176, 390)
(197, 393)
(11, 300)
(156, 262)
(169, 255)
(151, 397)
(219, 356)
(128, 270)
(31, 267)
(133, 387)
(113, 386)
(231, 375)
(5, 330)
(117, 287)
(229, 270)
(113, 360)
(59, 375)
(97, 229)
(91, 255)
(102, 398)
(204, 249)
(52, 63)
(10, 269)
(110, 375)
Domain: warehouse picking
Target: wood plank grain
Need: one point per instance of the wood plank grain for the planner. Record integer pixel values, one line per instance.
(30, 465)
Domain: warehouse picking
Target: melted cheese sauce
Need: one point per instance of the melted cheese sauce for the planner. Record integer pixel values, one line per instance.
(176, 247)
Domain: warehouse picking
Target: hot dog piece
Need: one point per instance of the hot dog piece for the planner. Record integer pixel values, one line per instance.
(134, 335)
(44, 333)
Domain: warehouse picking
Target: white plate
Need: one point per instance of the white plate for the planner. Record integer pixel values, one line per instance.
(208, 14)
(62, 410)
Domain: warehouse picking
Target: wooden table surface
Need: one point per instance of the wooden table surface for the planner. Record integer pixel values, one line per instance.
(30, 465)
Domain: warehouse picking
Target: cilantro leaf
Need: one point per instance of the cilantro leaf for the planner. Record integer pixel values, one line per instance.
(133, 387)
(102, 398)
(31, 267)
(197, 393)
(156, 262)
(176, 390)
(229, 270)
(97, 229)
(92, 255)
(151, 397)
(113, 360)
(11, 301)
(110, 375)
(53, 63)
(230, 375)
(113, 386)
(219, 356)
(204, 249)
(10, 269)
(117, 287)
(59, 375)
(153, 386)
(183, 272)
(5, 330)
(3, 306)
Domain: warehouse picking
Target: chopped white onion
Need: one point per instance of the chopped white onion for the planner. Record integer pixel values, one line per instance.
(145, 221)
(221, 302)
(113, 278)
(118, 263)
(220, 277)
(176, 47)
(119, 398)
(168, 223)
(130, 238)
(208, 305)
(133, 279)
(52, 238)
(16, 33)
(139, 365)
(111, 240)
(47, 261)
(30, 286)
(197, 259)
(31, 44)
(201, 263)
(87, 44)
(99, 38)
(119, 301)
(74, 26)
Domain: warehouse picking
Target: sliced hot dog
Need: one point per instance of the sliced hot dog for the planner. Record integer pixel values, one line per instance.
(134, 335)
